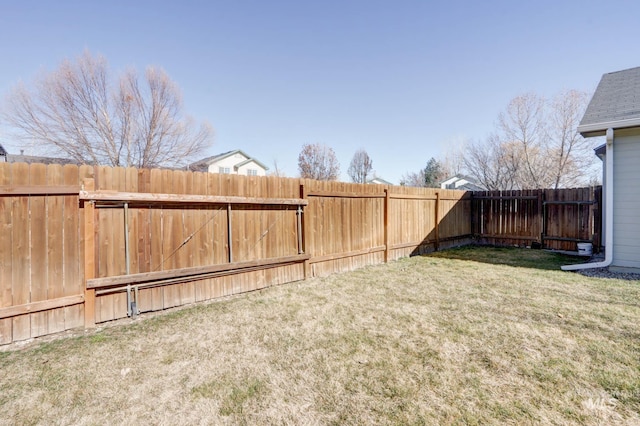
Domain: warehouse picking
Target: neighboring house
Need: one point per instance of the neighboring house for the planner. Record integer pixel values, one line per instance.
(233, 162)
(5, 157)
(464, 183)
(378, 181)
(614, 112)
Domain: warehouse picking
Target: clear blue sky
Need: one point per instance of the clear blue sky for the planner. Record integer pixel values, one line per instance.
(402, 79)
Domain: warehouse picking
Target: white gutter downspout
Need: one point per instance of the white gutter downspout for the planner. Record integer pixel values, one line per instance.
(608, 245)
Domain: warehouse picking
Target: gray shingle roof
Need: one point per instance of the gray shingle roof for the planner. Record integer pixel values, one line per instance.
(32, 159)
(615, 103)
(202, 165)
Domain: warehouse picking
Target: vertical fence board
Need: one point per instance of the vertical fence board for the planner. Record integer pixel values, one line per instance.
(75, 270)
(6, 248)
(187, 243)
(72, 250)
(156, 217)
(21, 255)
(55, 248)
(105, 245)
(119, 299)
(38, 249)
(198, 186)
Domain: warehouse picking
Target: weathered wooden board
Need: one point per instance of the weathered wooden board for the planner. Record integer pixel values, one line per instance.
(21, 253)
(6, 261)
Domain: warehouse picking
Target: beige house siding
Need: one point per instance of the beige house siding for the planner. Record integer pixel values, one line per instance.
(626, 199)
(232, 161)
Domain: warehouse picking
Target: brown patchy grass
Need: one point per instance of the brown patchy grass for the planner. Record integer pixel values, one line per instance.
(469, 336)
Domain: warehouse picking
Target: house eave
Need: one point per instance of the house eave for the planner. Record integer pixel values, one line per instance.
(600, 129)
(249, 161)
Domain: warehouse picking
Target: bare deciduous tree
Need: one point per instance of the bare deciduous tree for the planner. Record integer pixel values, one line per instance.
(523, 123)
(453, 161)
(571, 155)
(277, 171)
(416, 179)
(536, 145)
(317, 161)
(360, 167)
(79, 112)
(493, 163)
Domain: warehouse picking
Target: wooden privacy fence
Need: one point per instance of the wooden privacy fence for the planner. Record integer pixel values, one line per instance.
(83, 245)
(551, 219)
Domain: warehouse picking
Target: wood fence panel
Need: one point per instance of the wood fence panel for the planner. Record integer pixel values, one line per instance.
(454, 215)
(54, 235)
(199, 247)
(257, 226)
(105, 243)
(524, 216)
(140, 235)
(110, 244)
(6, 249)
(72, 258)
(133, 235)
(119, 299)
(342, 221)
(185, 243)
(171, 237)
(21, 254)
(275, 222)
(38, 250)
(218, 286)
(156, 216)
(346, 226)
(556, 218)
(596, 217)
(86, 175)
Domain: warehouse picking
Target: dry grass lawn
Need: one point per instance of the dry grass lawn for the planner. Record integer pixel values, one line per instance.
(467, 336)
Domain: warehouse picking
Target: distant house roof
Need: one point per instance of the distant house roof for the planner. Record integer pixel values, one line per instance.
(615, 103)
(30, 159)
(379, 181)
(249, 161)
(461, 182)
(202, 165)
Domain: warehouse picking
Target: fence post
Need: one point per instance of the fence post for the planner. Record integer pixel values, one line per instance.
(306, 264)
(386, 224)
(89, 256)
(229, 235)
(437, 222)
(596, 217)
(542, 213)
(472, 215)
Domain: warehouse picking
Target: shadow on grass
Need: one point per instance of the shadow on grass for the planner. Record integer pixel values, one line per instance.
(511, 256)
